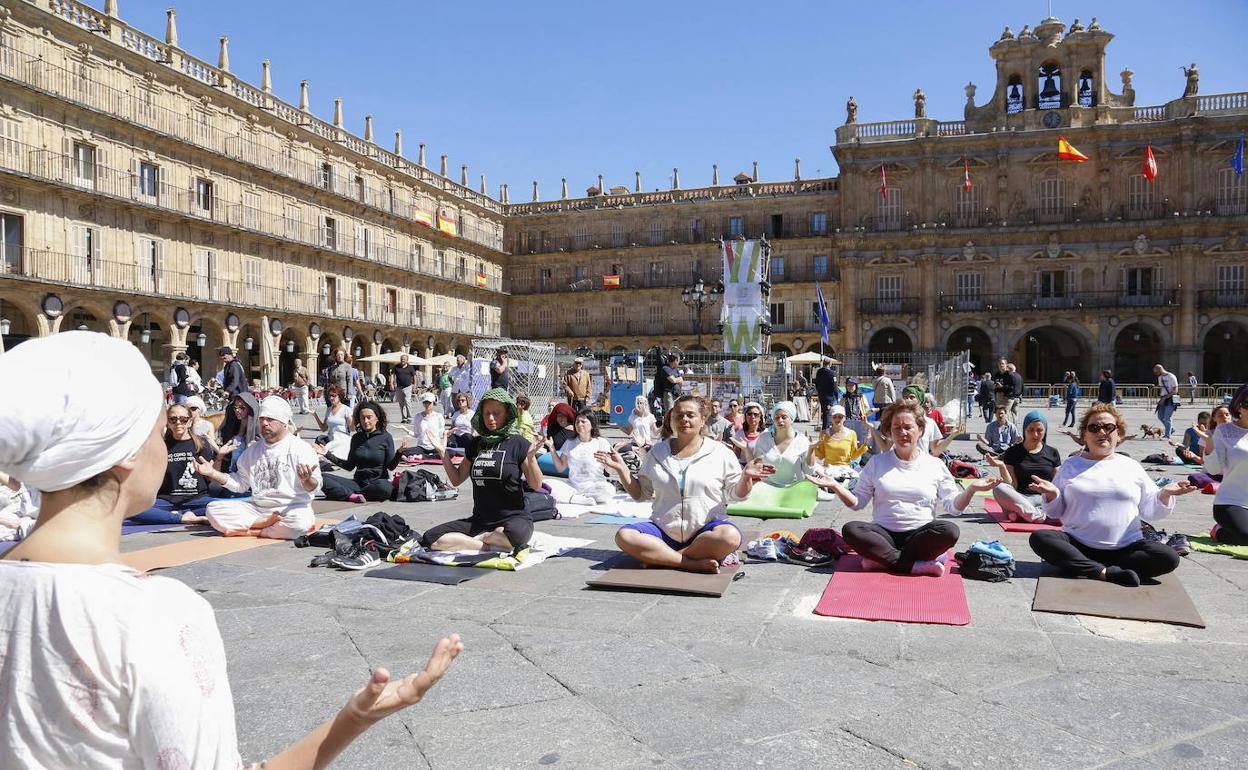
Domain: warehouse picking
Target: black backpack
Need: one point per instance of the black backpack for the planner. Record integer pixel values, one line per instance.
(540, 505)
(981, 566)
(422, 486)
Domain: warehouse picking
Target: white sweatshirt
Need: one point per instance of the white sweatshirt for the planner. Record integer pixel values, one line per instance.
(1230, 458)
(269, 471)
(1101, 502)
(904, 493)
(690, 492)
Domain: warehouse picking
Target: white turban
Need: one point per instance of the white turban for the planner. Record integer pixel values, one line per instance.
(276, 408)
(73, 405)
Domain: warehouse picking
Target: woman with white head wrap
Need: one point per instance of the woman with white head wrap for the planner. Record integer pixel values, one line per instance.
(783, 447)
(133, 664)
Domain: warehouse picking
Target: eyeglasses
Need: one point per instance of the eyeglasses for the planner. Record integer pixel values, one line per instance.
(1101, 427)
(179, 420)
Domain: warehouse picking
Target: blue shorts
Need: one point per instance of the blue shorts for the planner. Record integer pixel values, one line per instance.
(652, 529)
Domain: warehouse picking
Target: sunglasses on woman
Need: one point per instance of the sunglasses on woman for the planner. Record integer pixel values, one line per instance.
(179, 420)
(1102, 427)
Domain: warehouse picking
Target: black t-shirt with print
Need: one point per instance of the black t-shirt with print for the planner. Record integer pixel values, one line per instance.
(181, 482)
(1024, 464)
(497, 481)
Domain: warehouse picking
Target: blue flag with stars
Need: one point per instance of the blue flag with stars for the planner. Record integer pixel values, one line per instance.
(824, 322)
(1237, 160)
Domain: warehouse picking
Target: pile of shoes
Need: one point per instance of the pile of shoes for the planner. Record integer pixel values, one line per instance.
(815, 548)
(358, 545)
(1177, 541)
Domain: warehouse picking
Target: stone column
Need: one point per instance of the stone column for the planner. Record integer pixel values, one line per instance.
(927, 331)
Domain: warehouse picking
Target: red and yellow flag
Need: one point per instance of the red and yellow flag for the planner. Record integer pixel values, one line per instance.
(883, 183)
(966, 175)
(481, 279)
(446, 223)
(610, 282)
(1067, 151)
(424, 217)
(1150, 164)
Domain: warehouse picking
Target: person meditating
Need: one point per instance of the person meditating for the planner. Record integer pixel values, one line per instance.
(1101, 497)
(783, 448)
(338, 423)
(183, 494)
(1018, 465)
(428, 428)
(837, 449)
(371, 458)
(558, 424)
(105, 666)
(929, 439)
(461, 423)
(752, 428)
(1230, 458)
(641, 427)
(904, 486)
(692, 478)
(281, 471)
(502, 463)
(585, 474)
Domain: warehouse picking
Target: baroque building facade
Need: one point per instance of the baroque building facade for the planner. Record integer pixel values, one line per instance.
(151, 195)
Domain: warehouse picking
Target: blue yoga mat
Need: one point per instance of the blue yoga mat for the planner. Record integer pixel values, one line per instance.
(607, 518)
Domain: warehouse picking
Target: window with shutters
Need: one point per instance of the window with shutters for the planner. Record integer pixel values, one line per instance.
(84, 254)
(655, 318)
(1052, 287)
(253, 279)
(149, 180)
(359, 300)
(1052, 198)
(361, 190)
(777, 314)
(329, 233)
(84, 164)
(418, 309)
(203, 267)
(1232, 192)
(461, 268)
(736, 227)
(201, 128)
(545, 322)
(203, 197)
(1141, 284)
(418, 258)
(656, 272)
(481, 319)
(251, 210)
(618, 321)
(1139, 195)
(819, 267)
(544, 279)
(968, 290)
(392, 305)
(697, 232)
(580, 326)
(329, 294)
(888, 210)
(147, 105)
(580, 236)
(777, 269)
(327, 176)
(146, 265)
(8, 50)
(439, 262)
(966, 206)
(656, 233)
(294, 287)
(1231, 280)
(578, 274)
(819, 223)
(888, 293)
(292, 222)
(10, 243)
(617, 234)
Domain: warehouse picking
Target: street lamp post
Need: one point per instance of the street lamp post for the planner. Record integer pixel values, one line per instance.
(698, 298)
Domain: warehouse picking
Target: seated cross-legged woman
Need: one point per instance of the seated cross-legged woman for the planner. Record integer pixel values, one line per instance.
(502, 463)
(1018, 465)
(585, 474)
(903, 486)
(282, 473)
(692, 479)
(371, 458)
(1230, 458)
(183, 494)
(1101, 497)
(782, 447)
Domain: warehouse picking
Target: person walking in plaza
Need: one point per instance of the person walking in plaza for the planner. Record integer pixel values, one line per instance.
(884, 392)
(500, 371)
(1101, 497)
(445, 387)
(133, 662)
(299, 382)
(1072, 396)
(1031, 458)
(341, 374)
(576, 385)
(668, 381)
(905, 485)
(179, 378)
(986, 397)
(1230, 458)
(1106, 390)
(691, 479)
(371, 458)
(281, 472)
(359, 383)
(461, 378)
(1002, 383)
(1167, 398)
(234, 379)
(502, 465)
(1015, 392)
(1192, 382)
(827, 391)
(402, 381)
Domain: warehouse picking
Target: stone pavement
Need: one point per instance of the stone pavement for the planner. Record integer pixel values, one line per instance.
(555, 674)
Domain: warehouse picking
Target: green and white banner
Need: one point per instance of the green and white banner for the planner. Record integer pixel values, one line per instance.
(743, 310)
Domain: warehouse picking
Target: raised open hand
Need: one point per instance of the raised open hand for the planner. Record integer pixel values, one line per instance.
(611, 460)
(758, 470)
(381, 697)
(1043, 487)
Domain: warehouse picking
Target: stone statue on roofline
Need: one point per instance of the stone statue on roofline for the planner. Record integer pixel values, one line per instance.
(920, 103)
(1193, 80)
(851, 111)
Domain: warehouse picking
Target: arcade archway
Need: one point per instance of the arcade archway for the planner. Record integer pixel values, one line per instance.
(1136, 348)
(1045, 353)
(890, 341)
(975, 340)
(1225, 348)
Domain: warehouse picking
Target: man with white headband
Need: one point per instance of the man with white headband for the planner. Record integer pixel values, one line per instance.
(282, 474)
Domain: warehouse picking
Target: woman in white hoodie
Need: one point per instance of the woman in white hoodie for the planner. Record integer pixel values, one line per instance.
(692, 479)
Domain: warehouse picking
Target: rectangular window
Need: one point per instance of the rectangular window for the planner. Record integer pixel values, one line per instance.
(10, 243)
(418, 309)
(544, 279)
(146, 264)
(253, 279)
(294, 281)
(777, 269)
(819, 223)
(697, 233)
(618, 320)
(578, 273)
(360, 189)
(84, 165)
(655, 274)
(1232, 192)
(251, 210)
(819, 267)
(481, 320)
(392, 304)
(966, 206)
(1231, 281)
(1051, 284)
(968, 290)
(888, 293)
(331, 294)
(888, 210)
(329, 233)
(736, 227)
(201, 128)
(655, 319)
(439, 262)
(327, 176)
(581, 322)
(1140, 282)
(292, 221)
(461, 269)
(656, 233)
(85, 256)
(1052, 198)
(1140, 195)
(580, 236)
(617, 234)
(777, 314)
(203, 197)
(149, 179)
(203, 268)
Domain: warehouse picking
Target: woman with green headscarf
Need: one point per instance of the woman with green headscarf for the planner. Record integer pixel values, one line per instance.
(931, 441)
(501, 462)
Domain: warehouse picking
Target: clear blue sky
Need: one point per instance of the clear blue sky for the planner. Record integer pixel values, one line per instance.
(546, 89)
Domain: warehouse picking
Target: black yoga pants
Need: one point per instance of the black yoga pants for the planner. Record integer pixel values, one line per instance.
(1143, 557)
(1232, 524)
(898, 551)
(518, 528)
(340, 488)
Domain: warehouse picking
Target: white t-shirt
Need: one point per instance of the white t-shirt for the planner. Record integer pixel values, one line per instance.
(107, 667)
(644, 429)
(461, 423)
(1101, 502)
(426, 426)
(1230, 458)
(582, 467)
(788, 463)
(1168, 383)
(270, 472)
(904, 493)
(931, 434)
(194, 380)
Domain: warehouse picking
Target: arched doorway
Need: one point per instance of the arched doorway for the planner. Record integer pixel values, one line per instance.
(82, 319)
(1136, 348)
(152, 342)
(890, 341)
(1225, 349)
(1043, 354)
(327, 343)
(975, 340)
(289, 351)
(204, 337)
(248, 353)
(15, 325)
(776, 347)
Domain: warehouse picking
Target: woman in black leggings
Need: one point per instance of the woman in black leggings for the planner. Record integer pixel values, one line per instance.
(372, 458)
(1230, 458)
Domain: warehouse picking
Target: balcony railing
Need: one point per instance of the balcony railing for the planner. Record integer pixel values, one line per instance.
(889, 306)
(1024, 301)
(48, 78)
(660, 197)
(100, 180)
(683, 324)
(542, 243)
(666, 278)
(1209, 298)
(127, 276)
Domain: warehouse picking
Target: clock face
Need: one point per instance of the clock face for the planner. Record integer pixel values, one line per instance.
(1052, 119)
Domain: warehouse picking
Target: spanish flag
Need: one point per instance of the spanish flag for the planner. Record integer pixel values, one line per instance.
(446, 223)
(1150, 164)
(1067, 151)
(610, 282)
(424, 217)
(481, 280)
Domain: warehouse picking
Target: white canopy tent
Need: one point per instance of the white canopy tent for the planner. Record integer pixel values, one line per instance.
(809, 357)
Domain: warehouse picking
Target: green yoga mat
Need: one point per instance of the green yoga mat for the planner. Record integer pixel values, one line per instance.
(771, 502)
(1209, 545)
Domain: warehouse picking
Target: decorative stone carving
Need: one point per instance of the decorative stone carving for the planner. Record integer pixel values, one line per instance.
(1075, 26)
(969, 90)
(1095, 26)
(1053, 249)
(1141, 245)
(920, 103)
(84, 50)
(851, 111)
(9, 195)
(86, 211)
(968, 251)
(1007, 33)
(1126, 75)
(1025, 34)
(1193, 80)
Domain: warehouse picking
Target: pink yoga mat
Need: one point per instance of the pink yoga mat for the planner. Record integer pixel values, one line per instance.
(993, 509)
(854, 593)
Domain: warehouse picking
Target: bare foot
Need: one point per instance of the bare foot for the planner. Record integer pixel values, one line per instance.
(496, 540)
(699, 565)
(870, 565)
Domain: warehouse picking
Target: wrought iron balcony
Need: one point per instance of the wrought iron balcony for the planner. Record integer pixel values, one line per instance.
(889, 306)
(1025, 301)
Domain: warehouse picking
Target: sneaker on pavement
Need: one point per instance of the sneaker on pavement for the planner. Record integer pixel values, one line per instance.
(762, 549)
(1179, 543)
(808, 557)
(1151, 534)
(362, 557)
(323, 560)
(731, 560)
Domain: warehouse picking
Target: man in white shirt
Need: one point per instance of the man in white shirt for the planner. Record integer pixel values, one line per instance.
(461, 377)
(282, 472)
(1167, 397)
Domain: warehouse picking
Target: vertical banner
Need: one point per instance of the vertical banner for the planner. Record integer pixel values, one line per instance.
(743, 310)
